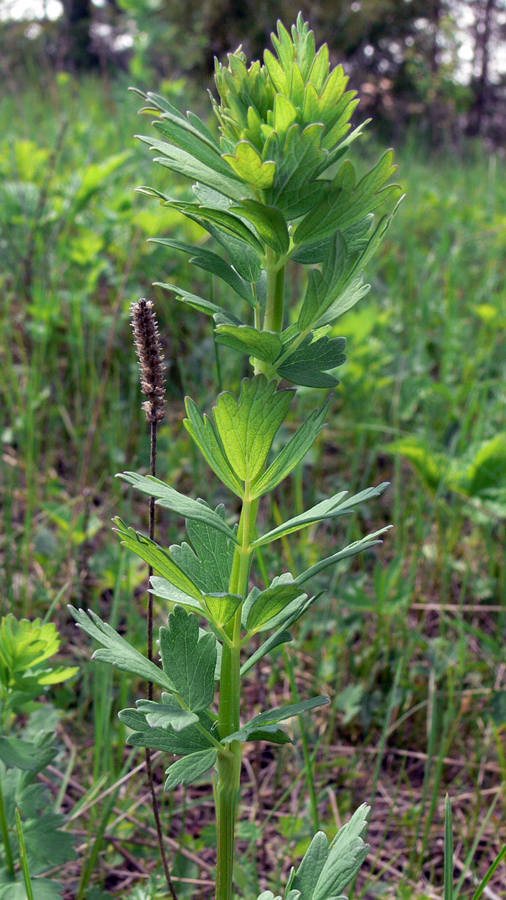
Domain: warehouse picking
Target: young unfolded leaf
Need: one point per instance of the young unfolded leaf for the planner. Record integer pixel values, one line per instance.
(247, 426)
(157, 557)
(248, 165)
(211, 262)
(169, 714)
(221, 607)
(261, 607)
(292, 453)
(271, 716)
(208, 562)
(264, 345)
(199, 303)
(203, 433)
(190, 768)
(190, 659)
(190, 740)
(308, 364)
(338, 505)
(171, 499)
(118, 652)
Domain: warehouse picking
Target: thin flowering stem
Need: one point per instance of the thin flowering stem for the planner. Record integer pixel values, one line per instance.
(149, 351)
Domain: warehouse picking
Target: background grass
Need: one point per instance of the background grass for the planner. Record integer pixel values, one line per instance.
(408, 641)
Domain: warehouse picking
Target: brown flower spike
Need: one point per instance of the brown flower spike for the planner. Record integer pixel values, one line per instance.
(149, 351)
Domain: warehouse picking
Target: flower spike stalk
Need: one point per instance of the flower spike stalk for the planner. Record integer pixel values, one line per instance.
(273, 189)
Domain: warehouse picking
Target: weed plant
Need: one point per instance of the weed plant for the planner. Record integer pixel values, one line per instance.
(273, 190)
(426, 362)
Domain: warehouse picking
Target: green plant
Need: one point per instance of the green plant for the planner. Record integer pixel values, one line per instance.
(268, 194)
(25, 648)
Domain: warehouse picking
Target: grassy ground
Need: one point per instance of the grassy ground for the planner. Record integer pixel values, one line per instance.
(408, 642)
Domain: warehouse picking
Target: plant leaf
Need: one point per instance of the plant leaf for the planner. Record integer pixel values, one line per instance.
(292, 453)
(31, 757)
(190, 768)
(351, 550)
(169, 498)
(275, 640)
(221, 607)
(203, 433)
(342, 207)
(308, 364)
(260, 608)
(157, 558)
(321, 288)
(118, 652)
(167, 715)
(178, 160)
(241, 255)
(211, 262)
(269, 223)
(209, 561)
(264, 345)
(310, 869)
(249, 166)
(347, 853)
(247, 426)
(190, 740)
(199, 303)
(271, 716)
(160, 587)
(190, 659)
(190, 140)
(333, 506)
(223, 219)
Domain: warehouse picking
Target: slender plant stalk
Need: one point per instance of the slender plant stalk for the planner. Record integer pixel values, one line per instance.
(5, 834)
(24, 860)
(148, 347)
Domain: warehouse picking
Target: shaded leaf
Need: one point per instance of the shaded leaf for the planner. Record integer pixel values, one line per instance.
(190, 768)
(292, 453)
(308, 364)
(264, 345)
(199, 303)
(190, 740)
(211, 262)
(16, 753)
(209, 563)
(167, 715)
(190, 659)
(157, 557)
(269, 223)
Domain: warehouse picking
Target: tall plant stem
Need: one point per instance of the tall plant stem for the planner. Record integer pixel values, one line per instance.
(275, 303)
(226, 788)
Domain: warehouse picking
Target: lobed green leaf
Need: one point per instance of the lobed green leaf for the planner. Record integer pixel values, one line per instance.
(190, 658)
(190, 768)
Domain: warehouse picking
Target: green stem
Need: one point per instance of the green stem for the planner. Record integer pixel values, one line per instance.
(274, 307)
(226, 788)
(9, 859)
